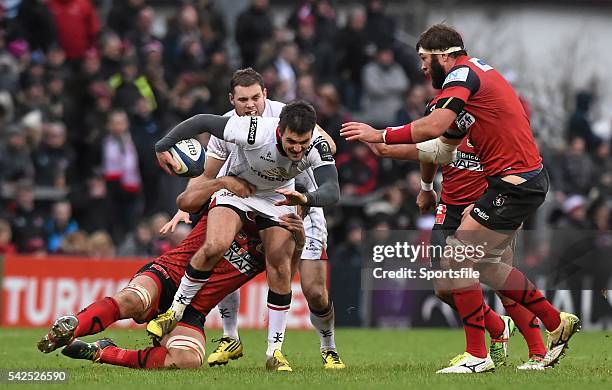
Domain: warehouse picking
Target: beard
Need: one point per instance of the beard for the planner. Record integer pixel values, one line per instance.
(437, 73)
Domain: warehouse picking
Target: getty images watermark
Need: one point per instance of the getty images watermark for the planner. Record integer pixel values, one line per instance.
(408, 261)
(412, 253)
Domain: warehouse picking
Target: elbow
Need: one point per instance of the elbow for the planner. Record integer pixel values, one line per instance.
(187, 203)
(335, 196)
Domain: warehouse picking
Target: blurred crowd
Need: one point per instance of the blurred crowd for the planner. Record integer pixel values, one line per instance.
(83, 99)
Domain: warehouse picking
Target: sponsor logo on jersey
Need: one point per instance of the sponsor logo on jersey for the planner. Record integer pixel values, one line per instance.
(242, 260)
(484, 216)
(252, 130)
(460, 74)
(440, 214)
(465, 120)
(468, 161)
(268, 157)
(274, 174)
(499, 200)
(324, 149)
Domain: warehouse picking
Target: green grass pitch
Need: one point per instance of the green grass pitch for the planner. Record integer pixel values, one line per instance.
(381, 359)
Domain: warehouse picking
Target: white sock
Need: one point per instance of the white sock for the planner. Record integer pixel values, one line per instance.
(191, 282)
(228, 308)
(324, 324)
(278, 309)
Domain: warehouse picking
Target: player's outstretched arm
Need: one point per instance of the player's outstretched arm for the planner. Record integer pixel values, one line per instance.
(327, 193)
(397, 152)
(429, 127)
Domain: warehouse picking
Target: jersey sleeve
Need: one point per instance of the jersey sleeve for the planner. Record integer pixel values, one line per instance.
(460, 83)
(249, 131)
(217, 148)
(320, 152)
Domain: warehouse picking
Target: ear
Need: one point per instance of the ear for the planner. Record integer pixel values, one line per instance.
(265, 93)
(231, 99)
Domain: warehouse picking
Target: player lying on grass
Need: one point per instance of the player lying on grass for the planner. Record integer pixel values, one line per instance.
(151, 291)
(463, 182)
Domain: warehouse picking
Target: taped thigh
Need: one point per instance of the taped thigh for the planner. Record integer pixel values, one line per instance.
(142, 293)
(187, 343)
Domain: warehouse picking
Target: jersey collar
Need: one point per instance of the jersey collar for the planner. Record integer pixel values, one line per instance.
(279, 144)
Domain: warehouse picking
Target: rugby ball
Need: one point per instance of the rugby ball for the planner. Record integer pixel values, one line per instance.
(190, 155)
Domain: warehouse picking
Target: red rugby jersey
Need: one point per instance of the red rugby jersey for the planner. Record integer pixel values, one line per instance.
(493, 116)
(245, 254)
(463, 180)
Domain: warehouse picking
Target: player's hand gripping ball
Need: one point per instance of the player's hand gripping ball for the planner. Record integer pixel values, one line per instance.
(190, 155)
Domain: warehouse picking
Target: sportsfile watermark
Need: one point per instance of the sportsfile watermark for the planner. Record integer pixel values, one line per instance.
(415, 259)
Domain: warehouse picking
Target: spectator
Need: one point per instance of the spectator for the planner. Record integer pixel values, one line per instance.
(37, 24)
(123, 14)
(577, 170)
(59, 225)
(129, 86)
(28, 221)
(138, 243)
(385, 83)
(101, 246)
(357, 171)
(120, 162)
(6, 236)
(331, 115)
(145, 131)
(414, 105)
(217, 79)
(15, 162)
(353, 48)
(77, 26)
(111, 55)
(380, 27)
(75, 244)
(54, 159)
(142, 35)
(91, 204)
(579, 124)
(253, 27)
(284, 63)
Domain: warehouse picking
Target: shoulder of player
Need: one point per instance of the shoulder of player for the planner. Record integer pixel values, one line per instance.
(462, 75)
(273, 108)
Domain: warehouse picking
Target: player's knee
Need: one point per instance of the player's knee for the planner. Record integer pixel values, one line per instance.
(213, 249)
(130, 304)
(316, 296)
(181, 358)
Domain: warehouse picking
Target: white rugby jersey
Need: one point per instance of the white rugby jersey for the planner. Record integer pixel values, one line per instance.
(221, 150)
(259, 159)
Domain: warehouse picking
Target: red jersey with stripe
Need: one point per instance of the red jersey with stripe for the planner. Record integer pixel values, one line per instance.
(493, 117)
(240, 263)
(463, 180)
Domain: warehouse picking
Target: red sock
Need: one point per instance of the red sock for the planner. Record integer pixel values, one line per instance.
(97, 317)
(493, 322)
(529, 326)
(153, 357)
(520, 289)
(469, 304)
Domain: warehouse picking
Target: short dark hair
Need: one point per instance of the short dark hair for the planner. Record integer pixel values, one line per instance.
(441, 37)
(299, 115)
(245, 78)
